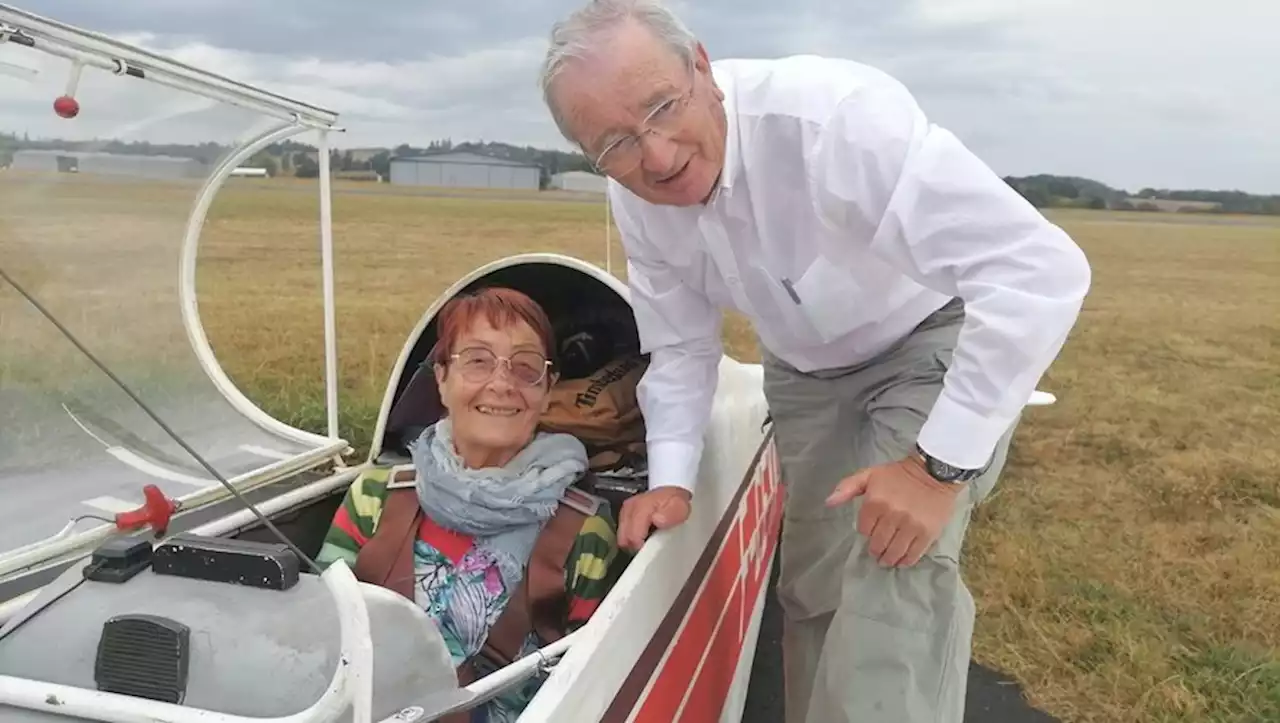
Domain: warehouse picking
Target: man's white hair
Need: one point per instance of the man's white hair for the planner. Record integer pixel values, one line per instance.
(575, 37)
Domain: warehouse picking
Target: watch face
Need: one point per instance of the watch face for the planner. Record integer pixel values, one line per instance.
(944, 471)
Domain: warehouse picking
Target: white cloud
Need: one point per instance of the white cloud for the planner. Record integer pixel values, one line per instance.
(1132, 92)
(969, 12)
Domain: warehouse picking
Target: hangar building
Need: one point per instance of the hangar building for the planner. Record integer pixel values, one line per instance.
(456, 169)
(579, 181)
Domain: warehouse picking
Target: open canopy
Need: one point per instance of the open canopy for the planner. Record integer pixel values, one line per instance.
(100, 222)
(590, 313)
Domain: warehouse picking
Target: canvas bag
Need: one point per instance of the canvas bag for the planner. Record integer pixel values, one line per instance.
(602, 411)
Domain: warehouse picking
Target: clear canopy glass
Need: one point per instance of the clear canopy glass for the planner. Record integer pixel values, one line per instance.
(100, 219)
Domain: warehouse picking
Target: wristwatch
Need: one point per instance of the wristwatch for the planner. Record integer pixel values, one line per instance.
(948, 474)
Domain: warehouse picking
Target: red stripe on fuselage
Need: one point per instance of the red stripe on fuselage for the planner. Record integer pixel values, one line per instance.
(709, 691)
(676, 674)
(713, 633)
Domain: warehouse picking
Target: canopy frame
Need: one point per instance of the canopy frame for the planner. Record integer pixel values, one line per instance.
(100, 51)
(87, 48)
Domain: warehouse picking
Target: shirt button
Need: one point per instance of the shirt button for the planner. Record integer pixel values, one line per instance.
(733, 281)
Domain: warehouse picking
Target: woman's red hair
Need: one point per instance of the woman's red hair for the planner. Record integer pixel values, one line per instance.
(502, 307)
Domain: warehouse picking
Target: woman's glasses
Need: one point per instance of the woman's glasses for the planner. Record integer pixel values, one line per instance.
(478, 364)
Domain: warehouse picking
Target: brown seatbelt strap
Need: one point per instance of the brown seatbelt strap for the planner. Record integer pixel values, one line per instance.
(547, 598)
(386, 559)
(541, 602)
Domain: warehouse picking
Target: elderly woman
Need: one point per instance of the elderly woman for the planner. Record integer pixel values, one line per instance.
(487, 482)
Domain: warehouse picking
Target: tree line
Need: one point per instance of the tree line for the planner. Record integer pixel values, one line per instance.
(1050, 191)
(292, 158)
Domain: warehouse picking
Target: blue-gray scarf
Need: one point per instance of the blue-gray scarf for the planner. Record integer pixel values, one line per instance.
(502, 508)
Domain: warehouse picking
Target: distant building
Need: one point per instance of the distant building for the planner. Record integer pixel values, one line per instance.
(579, 181)
(363, 155)
(109, 164)
(1171, 205)
(455, 169)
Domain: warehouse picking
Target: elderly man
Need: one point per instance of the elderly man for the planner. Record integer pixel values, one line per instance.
(907, 302)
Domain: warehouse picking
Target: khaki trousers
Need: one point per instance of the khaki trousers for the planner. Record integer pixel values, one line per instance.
(862, 643)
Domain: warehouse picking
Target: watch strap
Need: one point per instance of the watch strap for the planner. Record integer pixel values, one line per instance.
(946, 473)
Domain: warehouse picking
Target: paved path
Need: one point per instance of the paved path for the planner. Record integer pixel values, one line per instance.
(992, 697)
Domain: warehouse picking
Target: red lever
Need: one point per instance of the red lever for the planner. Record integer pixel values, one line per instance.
(66, 105)
(156, 512)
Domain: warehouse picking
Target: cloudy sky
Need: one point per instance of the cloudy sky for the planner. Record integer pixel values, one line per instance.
(1165, 93)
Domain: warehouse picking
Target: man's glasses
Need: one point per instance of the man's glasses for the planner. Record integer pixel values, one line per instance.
(478, 364)
(623, 155)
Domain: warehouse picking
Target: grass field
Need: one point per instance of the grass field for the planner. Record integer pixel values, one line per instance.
(1128, 568)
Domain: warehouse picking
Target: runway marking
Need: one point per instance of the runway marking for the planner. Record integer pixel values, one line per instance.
(155, 470)
(265, 452)
(110, 504)
(139, 463)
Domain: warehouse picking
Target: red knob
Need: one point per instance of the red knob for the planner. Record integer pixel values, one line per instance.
(66, 106)
(156, 511)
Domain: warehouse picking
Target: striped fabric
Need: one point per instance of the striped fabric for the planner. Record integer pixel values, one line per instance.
(459, 586)
(590, 569)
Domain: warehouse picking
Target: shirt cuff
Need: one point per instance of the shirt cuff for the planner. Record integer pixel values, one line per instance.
(959, 436)
(673, 464)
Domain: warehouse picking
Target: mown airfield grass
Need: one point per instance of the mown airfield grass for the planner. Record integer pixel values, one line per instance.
(1128, 567)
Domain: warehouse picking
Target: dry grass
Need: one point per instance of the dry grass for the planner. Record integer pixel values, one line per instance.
(1128, 568)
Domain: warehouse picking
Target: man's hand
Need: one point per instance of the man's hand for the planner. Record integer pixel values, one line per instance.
(904, 512)
(662, 508)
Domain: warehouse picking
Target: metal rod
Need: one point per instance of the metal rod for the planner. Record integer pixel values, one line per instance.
(229, 523)
(608, 235)
(142, 405)
(61, 547)
(326, 256)
(149, 65)
(189, 302)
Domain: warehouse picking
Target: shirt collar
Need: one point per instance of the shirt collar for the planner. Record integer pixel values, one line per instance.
(732, 150)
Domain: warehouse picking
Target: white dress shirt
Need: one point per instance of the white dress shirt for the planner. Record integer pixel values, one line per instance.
(841, 220)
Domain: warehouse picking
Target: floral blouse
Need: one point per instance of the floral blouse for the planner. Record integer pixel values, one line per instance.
(460, 587)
